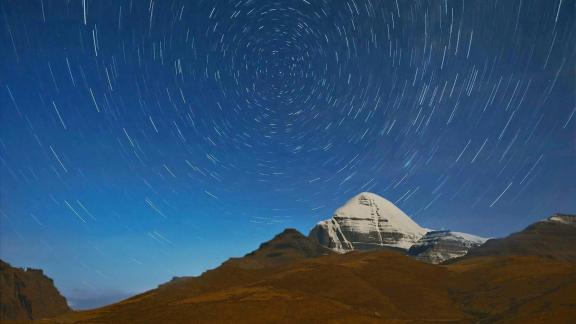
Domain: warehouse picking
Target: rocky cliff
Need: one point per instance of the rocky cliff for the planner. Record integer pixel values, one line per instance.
(28, 294)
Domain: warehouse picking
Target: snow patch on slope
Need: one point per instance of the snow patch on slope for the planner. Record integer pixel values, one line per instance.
(564, 219)
(439, 246)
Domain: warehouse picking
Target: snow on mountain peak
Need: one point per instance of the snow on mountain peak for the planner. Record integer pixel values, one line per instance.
(367, 221)
(367, 205)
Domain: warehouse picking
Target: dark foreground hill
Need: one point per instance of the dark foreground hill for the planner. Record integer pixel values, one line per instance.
(303, 285)
(27, 294)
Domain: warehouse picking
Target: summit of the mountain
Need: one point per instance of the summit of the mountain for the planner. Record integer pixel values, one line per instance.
(366, 222)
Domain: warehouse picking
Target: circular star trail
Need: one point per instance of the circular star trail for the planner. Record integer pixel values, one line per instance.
(169, 128)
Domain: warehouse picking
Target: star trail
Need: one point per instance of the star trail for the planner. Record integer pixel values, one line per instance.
(145, 139)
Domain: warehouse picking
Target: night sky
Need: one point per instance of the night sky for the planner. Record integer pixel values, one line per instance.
(142, 140)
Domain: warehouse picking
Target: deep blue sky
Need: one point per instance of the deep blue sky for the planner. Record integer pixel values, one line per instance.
(146, 139)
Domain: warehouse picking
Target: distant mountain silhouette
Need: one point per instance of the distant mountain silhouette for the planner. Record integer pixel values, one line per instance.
(27, 294)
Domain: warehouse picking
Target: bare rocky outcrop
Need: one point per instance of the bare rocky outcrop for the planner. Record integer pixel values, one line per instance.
(28, 294)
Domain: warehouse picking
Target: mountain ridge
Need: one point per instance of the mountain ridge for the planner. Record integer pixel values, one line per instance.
(288, 246)
(553, 237)
(360, 286)
(293, 278)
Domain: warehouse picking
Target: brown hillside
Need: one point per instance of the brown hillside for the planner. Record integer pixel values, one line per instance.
(368, 287)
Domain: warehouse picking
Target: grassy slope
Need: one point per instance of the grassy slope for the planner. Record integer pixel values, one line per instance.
(371, 287)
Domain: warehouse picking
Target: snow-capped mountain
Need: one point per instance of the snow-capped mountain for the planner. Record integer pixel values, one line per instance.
(366, 222)
(439, 246)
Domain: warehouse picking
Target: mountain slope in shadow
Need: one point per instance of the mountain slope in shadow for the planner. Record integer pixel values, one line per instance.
(553, 238)
(285, 248)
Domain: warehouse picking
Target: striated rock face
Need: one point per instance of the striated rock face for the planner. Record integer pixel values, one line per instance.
(553, 238)
(366, 222)
(28, 294)
(439, 246)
